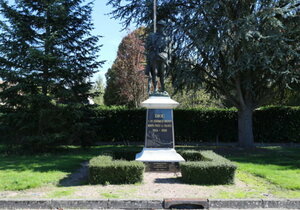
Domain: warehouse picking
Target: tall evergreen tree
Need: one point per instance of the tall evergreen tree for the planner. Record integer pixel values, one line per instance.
(245, 50)
(47, 55)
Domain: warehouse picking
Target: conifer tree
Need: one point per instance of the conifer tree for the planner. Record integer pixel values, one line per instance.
(47, 55)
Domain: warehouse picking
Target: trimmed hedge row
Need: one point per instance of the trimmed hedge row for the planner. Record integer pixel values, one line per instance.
(202, 167)
(270, 125)
(192, 155)
(123, 153)
(105, 170)
(277, 124)
(209, 169)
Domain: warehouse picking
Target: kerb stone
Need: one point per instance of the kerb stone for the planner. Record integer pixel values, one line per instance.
(132, 204)
(237, 204)
(80, 204)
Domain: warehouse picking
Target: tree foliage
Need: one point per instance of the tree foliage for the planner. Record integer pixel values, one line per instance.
(245, 50)
(47, 57)
(125, 79)
(198, 98)
(98, 90)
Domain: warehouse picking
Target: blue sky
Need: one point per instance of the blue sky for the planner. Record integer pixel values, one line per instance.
(110, 29)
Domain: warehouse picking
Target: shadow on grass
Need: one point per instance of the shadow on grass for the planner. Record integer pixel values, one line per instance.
(70, 159)
(77, 178)
(281, 156)
(66, 160)
(289, 157)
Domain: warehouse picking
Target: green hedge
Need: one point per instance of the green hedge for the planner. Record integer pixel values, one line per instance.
(204, 125)
(270, 125)
(213, 170)
(277, 124)
(41, 130)
(103, 170)
(120, 124)
(192, 155)
(123, 153)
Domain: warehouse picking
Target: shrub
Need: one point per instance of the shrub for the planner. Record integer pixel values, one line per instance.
(213, 170)
(125, 153)
(270, 124)
(277, 124)
(41, 130)
(120, 124)
(85, 126)
(192, 155)
(103, 169)
(205, 125)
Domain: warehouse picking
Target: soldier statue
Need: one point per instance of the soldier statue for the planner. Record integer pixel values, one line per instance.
(158, 48)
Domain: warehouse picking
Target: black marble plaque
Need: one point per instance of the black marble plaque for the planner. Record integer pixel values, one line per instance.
(159, 128)
(162, 166)
(159, 166)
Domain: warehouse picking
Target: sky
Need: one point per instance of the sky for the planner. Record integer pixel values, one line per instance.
(110, 29)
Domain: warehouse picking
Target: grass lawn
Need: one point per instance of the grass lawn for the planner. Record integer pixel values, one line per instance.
(263, 172)
(27, 171)
(279, 166)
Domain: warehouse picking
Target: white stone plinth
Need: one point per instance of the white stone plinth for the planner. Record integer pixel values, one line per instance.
(159, 155)
(160, 102)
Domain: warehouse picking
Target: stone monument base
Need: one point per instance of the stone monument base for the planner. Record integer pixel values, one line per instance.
(159, 155)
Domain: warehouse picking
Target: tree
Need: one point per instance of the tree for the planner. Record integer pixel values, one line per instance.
(244, 50)
(197, 99)
(194, 98)
(125, 79)
(98, 91)
(290, 97)
(47, 58)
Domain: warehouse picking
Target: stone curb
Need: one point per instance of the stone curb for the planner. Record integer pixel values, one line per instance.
(149, 204)
(255, 203)
(80, 204)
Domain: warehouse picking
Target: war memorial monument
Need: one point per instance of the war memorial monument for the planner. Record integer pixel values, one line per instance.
(159, 152)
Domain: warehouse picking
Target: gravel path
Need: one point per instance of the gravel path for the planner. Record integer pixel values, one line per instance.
(155, 186)
(77, 177)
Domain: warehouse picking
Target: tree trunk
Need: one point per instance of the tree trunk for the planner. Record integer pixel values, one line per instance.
(245, 126)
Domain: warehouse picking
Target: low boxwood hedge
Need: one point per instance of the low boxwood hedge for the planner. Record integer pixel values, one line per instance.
(125, 153)
(104, 170)
(209, 169)
(192, 155)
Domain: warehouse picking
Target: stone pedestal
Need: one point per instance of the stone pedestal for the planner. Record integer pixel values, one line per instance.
(159, 136)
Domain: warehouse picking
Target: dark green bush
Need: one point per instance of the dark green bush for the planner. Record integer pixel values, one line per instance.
(120, 124)
(41, 130)
(270, 124)
(192, 155)
(205, 125)
(212, 171)
(122, 153)
(103, 170)
(63, 125)
(277, 124)
(125, 154)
